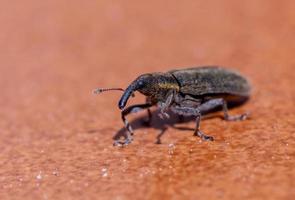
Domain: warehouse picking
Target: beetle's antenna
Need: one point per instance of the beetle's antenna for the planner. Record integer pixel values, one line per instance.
(100, 90)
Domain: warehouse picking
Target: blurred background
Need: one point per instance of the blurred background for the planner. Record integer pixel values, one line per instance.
(56, 137)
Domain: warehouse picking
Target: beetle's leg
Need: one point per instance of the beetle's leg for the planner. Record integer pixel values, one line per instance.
(149, 112)
(180, 118)
(195, 112)
(213, 103)
(163, 130)
(124, 113)
(228, 117)
(149, 119)
(199, 133)
(165, 105)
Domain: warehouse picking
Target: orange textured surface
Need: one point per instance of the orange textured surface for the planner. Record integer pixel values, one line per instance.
(56, 137)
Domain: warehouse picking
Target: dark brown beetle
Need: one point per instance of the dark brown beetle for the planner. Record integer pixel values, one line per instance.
(186, 92)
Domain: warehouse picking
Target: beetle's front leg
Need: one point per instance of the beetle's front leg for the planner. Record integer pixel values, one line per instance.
(124, 113)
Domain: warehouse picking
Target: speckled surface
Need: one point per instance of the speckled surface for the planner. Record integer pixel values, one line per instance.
(56, 137)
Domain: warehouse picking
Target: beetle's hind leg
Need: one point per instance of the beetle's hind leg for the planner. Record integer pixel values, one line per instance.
(129, 133)
(215, 103)
(228, 117)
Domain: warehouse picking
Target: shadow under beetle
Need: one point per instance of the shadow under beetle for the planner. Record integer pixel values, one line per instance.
(186, 92)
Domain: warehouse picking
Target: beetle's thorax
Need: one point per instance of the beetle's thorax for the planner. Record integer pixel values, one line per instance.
(157, 85)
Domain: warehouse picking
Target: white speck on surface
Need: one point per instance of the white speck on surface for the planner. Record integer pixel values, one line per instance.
(171, 147)
(39, 176)
(45, 196)
(104, 172)
(288, 157)
(55, 172)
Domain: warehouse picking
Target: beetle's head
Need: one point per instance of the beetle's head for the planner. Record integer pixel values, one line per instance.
(152, 85)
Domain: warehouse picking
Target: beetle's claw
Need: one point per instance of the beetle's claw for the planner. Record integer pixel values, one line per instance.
(245, 116)
(204, 136)
(208, 138)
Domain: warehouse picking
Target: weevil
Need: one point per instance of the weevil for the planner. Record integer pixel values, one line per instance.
(186, 92)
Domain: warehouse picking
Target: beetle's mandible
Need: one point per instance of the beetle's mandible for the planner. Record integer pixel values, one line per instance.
(186, 92)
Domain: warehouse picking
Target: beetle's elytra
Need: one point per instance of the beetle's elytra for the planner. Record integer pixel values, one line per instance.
(188, 92)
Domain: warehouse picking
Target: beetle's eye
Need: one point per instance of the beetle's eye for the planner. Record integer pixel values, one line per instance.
(140, 83)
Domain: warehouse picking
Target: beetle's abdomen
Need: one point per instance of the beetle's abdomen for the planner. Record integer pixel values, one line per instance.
(211, 80)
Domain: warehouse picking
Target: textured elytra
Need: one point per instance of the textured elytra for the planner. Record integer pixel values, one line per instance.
(211, 80)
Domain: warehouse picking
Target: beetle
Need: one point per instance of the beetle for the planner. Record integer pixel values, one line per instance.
(186, 92)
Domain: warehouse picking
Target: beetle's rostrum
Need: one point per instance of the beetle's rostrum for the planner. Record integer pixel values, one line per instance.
(186, 92)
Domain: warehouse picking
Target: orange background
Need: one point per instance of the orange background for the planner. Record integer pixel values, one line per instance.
(56, 137)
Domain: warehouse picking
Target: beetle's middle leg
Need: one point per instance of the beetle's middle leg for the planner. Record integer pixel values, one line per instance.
(194, 112)
(124, 113)
(165, 105)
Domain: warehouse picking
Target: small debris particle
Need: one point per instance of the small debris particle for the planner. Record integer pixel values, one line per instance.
(39, 176)
(104, 172)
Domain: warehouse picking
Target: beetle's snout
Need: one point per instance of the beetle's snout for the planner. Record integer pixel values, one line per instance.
(138, 84)
(123, 101)
(128, 92)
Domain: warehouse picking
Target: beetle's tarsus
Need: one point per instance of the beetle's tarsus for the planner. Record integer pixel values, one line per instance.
(203, 136)
(236, 117)
(119, 143)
